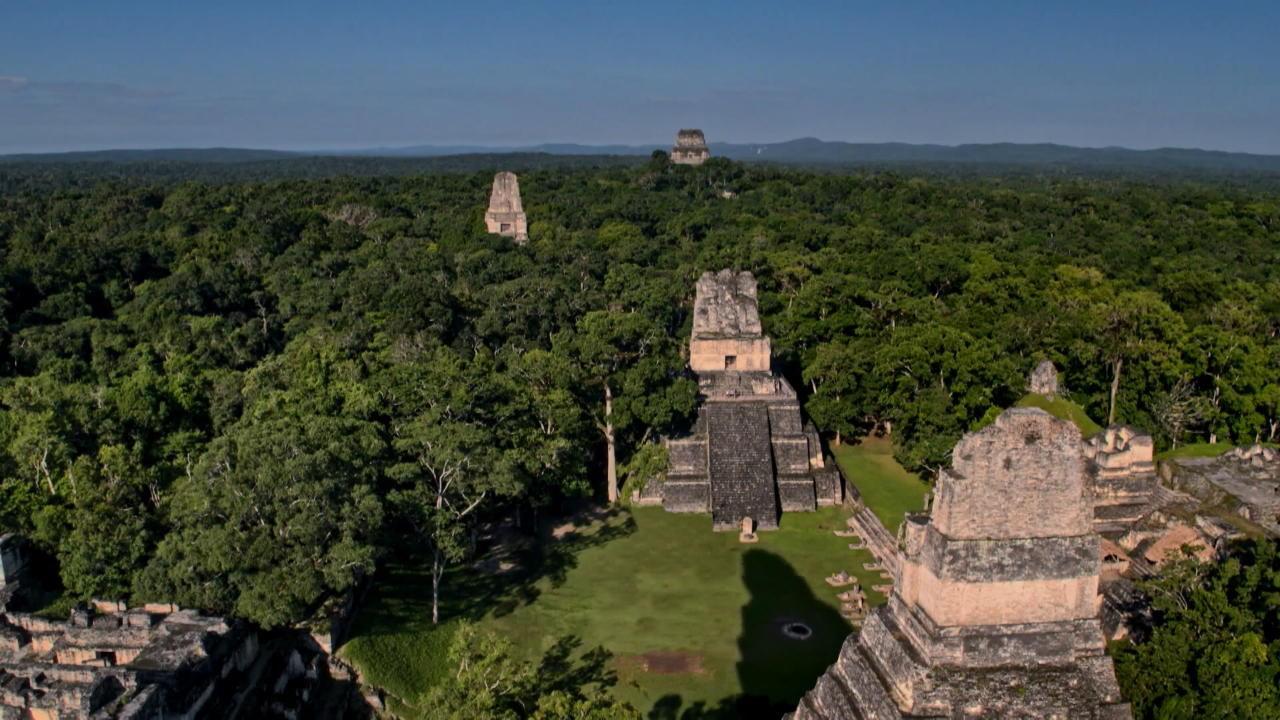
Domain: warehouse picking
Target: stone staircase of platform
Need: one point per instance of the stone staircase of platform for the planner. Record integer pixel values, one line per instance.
(741, 464)
(876, 537)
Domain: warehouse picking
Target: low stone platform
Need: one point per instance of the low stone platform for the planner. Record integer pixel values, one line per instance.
(1244, 479)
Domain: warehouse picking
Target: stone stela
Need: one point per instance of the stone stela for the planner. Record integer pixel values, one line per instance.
(506, 213)
(750, 454)
(994, 607)
(690, 148)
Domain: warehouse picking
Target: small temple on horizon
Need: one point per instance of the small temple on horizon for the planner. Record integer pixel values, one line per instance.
(506, 212)
(690, 148)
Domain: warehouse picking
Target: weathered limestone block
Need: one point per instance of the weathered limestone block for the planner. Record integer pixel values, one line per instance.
(690, 148)
(687, 457)
(796, 494)
(1006, 475)
(1044, 379)
(1120, 463)
(1169, 546)
(726, 325)
(1121, 450)
(1000, 581)
(791, 454)
(828, 486)
(506, 211)
(686, 496)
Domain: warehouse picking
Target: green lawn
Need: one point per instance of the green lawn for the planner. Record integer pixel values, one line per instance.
(888, 489)
(1063, 410)
(1200, 450)
(1196, 450)
(646, 581)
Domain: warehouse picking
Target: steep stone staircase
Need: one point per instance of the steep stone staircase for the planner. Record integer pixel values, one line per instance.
(741, 460)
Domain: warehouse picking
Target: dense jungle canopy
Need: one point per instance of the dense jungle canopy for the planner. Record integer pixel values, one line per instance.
(239, 396)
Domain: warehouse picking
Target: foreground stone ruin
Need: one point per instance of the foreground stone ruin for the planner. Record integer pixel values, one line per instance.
(690, 148)
(750, 455)
(1122, 467)
(994, 608)
(506, 212)
(108, 660)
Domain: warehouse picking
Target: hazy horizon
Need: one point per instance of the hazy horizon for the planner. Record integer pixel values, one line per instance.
(327, 76)
(366, 151)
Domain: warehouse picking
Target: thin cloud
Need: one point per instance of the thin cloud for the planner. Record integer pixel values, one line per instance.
(101, 89)
(13, 83)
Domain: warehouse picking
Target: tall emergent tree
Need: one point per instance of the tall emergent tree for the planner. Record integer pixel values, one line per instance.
(447, 464)
(634, 366)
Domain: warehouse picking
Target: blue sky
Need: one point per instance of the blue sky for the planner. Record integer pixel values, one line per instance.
(339, 75)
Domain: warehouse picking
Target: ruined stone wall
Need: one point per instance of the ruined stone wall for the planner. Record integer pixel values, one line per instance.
(109, 660)
(1023, 470)
(1120, 450)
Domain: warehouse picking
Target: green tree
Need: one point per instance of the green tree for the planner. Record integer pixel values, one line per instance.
(276, 512)
(634, 366)
(1212, 652)
(486, 683)
(448, 464)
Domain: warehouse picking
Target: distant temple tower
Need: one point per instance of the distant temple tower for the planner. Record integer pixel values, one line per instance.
(750, 454)
(506, 212)
(690, 149)
(994, 608)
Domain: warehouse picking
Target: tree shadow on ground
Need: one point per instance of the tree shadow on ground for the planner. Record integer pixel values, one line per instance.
(403, 587)
(560, 671)
(776, 669)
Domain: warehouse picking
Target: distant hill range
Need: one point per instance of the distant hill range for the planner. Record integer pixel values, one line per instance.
(172, 155)
(806, 151)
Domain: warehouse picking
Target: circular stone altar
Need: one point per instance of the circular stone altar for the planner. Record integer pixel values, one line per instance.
(797, 631)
